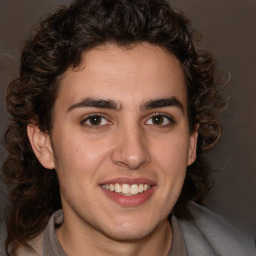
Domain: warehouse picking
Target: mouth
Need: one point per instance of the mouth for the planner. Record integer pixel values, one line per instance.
(127, 189)
(128, 192)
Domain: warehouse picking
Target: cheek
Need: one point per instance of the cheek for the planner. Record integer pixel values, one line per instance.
(80, 155)
(78, 165)
(172, 153)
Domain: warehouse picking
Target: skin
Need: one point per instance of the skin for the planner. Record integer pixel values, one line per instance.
(127, 141)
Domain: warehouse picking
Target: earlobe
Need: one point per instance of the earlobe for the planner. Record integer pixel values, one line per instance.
(193, 146)
(41, 145)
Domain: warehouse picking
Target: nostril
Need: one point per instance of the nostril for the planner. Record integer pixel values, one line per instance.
(131, 165)
(131, 150)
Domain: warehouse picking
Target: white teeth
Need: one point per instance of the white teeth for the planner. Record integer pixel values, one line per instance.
(127, 189)
(141, 188)
(145, 187)
(134, 189)
(118, 188)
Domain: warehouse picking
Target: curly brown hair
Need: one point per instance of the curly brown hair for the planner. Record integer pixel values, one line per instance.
(56, 45)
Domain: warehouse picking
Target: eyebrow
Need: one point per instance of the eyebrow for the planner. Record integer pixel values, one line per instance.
(95, 103)
(161, 103)
(110, 104)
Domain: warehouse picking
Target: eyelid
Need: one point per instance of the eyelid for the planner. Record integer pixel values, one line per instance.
(166, 116)
(87, 117)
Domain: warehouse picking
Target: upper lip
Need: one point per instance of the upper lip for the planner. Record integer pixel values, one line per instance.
(130, 181)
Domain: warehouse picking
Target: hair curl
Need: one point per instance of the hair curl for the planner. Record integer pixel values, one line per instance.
(58, 44)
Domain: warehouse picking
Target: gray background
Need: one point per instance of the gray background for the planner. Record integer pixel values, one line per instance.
(228, 28)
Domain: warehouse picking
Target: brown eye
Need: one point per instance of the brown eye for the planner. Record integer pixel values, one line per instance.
(158, 120)
(95, 120)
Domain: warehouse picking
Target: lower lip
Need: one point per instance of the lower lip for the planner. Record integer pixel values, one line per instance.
(129, 201)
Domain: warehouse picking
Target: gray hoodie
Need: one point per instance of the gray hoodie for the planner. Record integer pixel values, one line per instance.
(203, 233)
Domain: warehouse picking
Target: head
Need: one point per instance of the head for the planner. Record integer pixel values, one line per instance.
(68, 49)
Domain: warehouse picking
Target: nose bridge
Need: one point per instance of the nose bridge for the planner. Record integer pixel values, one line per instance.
(131, 147)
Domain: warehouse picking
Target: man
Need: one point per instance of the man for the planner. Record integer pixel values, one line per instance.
(112, 113)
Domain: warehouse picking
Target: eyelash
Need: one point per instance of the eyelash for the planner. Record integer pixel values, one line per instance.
(170, 121)
(94, 126)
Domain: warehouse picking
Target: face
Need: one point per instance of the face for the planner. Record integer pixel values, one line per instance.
(120, 141)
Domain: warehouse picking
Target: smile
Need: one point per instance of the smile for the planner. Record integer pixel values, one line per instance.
(127, 189)
(128, 192)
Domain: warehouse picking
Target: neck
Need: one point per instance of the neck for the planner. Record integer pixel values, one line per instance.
(78, 243)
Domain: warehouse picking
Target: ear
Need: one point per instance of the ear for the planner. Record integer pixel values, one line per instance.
(193, 146)
(41, 145)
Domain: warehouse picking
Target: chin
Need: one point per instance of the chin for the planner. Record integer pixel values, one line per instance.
(128, 230)
(124, 235)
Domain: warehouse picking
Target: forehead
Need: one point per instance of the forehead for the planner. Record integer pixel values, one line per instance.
(135, 74)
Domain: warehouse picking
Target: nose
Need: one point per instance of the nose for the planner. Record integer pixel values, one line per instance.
(131, 149)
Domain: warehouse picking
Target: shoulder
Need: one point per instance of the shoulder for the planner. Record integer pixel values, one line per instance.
(39, 245)
(205, 233)
(33, 248)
